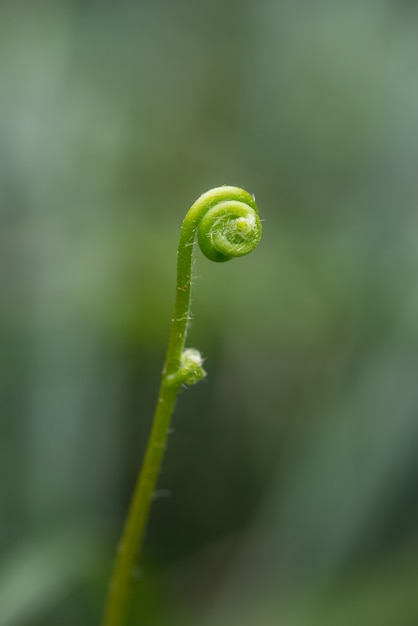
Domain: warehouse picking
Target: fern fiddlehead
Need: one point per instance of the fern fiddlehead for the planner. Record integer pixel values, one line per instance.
(226, 224)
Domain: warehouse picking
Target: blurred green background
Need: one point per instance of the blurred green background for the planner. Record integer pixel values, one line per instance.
(288, 493)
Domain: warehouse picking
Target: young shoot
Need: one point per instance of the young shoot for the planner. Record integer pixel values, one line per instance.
(226, 224)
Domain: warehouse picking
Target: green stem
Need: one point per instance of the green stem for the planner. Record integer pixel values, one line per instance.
(227, 225)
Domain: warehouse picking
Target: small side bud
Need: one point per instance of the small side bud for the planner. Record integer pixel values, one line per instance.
(191, 366)
(190, 370)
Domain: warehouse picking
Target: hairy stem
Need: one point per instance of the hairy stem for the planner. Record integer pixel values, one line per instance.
(227, 225)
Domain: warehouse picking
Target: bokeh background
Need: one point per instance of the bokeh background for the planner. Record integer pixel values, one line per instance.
(288, 493)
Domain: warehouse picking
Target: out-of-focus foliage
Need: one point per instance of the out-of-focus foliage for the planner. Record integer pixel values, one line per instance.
(292, 470)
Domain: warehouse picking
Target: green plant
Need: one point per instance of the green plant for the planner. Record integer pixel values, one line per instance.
(226, 223)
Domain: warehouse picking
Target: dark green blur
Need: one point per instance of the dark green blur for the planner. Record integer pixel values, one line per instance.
(288, 492)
